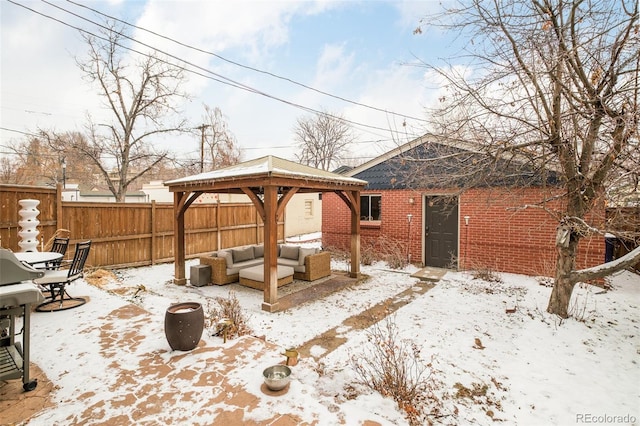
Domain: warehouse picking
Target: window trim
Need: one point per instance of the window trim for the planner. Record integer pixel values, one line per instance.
(369, 219)
(308, 212)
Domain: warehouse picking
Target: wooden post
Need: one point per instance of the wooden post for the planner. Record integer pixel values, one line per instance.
(217, 228)
(178, 238)
(59, 224)
(153, 232)
(355, 235)
(257, 219)
(270, 303)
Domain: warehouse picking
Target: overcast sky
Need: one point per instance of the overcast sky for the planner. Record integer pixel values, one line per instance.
(358, 51)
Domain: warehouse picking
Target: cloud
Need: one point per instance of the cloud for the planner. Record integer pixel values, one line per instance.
(293, 39)
(41, 85)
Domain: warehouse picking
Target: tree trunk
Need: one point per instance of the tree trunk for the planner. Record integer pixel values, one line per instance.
(563, 285)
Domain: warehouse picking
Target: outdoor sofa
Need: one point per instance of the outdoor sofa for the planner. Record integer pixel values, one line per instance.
(309, 264)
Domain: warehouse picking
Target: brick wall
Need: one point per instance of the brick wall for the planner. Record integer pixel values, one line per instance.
(506, 236)
(395, 226)
(500, 234)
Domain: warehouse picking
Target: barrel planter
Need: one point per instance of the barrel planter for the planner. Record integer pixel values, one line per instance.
(183, 325)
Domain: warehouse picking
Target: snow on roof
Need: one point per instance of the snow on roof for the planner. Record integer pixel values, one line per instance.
(267, 165)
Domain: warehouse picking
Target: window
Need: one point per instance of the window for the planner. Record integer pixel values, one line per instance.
(370, 207)
(308, 208)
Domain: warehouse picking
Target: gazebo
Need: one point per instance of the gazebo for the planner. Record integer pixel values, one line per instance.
(269, 182)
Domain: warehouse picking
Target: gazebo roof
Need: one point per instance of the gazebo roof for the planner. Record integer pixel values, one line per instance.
(254, 172)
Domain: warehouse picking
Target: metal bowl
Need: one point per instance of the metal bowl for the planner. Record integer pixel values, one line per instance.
(277, 377)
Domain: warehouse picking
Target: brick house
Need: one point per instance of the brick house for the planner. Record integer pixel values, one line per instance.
(498, 224)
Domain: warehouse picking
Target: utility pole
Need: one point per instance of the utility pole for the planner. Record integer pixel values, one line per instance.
(64, 172)
(201, 128)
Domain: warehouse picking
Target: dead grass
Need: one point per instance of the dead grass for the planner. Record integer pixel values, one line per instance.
(100, 277)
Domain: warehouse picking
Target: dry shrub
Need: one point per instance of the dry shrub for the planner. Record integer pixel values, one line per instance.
(484, 272)
(368, 254)
(546, 273)
(228, 309)
(389, 250)
(393, 367)
(394, 252)
(579, 306)
(338, 254)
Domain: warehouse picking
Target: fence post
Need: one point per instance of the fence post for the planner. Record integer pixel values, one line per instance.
(58, 218)
(153, 232)
(218, 236)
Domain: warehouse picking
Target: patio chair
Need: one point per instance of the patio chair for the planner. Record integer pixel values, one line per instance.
(55, 282)
(59, 245)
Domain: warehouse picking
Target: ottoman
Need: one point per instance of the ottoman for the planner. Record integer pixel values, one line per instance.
(254, 277)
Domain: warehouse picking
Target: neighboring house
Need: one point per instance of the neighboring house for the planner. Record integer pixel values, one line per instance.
(496, 225)
(73, 192)
(303, 214)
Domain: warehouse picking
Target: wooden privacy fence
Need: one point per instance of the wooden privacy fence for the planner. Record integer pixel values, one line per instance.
(49, 212)
(131, 234)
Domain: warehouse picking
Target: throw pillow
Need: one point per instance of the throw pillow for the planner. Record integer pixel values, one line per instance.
(240, 255)
(258, 251)
(304, 252)
(289, 252)
(227, 256)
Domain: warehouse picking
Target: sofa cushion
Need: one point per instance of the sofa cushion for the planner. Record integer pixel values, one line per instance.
(237, 267)
(293, 264)
(287, 262)
(304, 252)
(226, 254)
(289, 252)
(258, 251)
(240, 255)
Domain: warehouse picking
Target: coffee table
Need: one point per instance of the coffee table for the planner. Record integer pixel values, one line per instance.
(254, 277)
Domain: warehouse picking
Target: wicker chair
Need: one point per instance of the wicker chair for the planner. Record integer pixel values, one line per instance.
(219, 270)
(316, 266)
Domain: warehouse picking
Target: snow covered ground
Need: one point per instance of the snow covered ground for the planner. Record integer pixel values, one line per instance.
(520, 368)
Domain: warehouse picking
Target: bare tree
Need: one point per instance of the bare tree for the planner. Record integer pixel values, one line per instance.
(141, 96)
(322, 140)
(552, 85)
(49, 159)
(36, 161)
(8, 171)
(217, 141)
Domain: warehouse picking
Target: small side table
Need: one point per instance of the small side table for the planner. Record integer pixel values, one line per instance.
(200, 275)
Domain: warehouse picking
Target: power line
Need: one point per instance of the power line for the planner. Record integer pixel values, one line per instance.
(220, 78)
(19, 131)
(290, 80)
